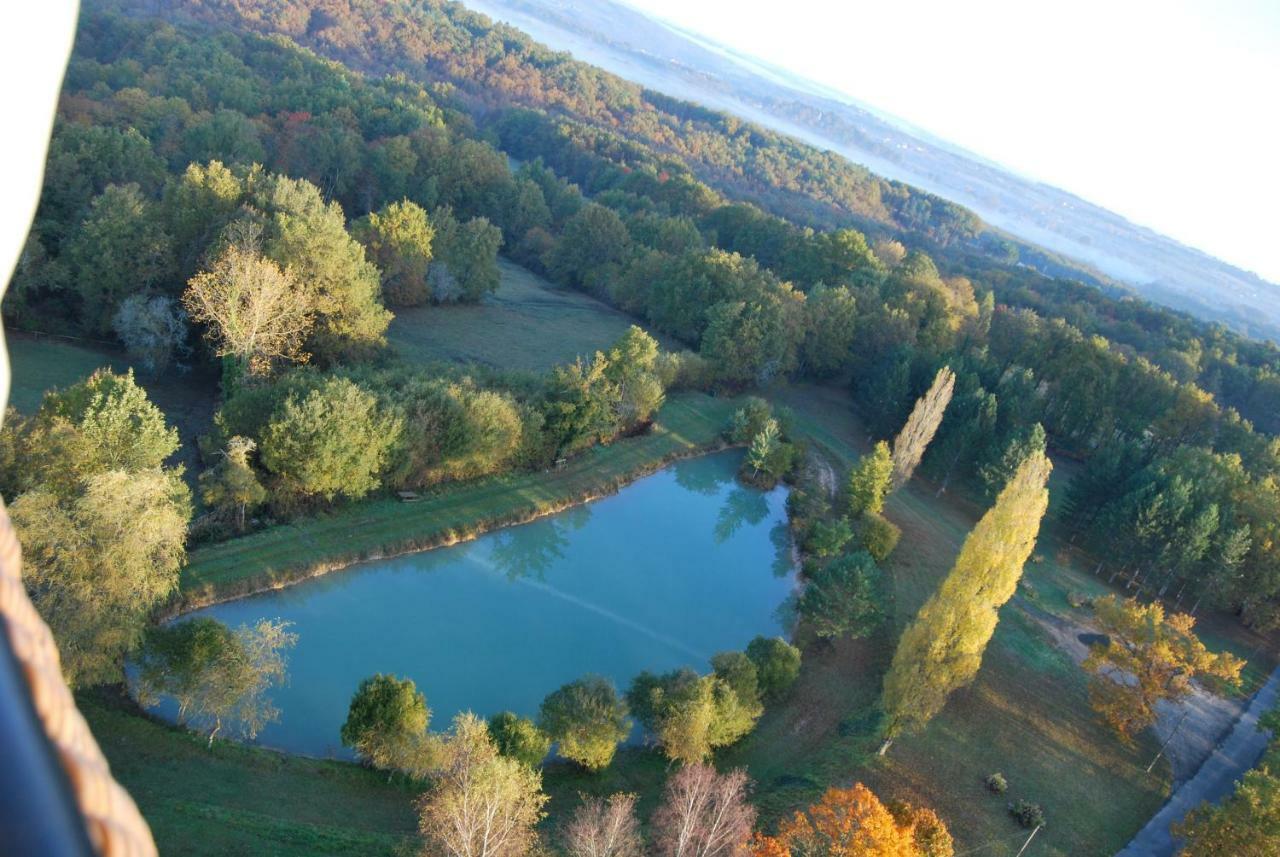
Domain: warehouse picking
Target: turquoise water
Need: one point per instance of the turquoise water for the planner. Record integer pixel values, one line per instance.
(674, 568)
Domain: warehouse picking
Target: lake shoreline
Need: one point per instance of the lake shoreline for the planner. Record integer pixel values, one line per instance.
(270, 581)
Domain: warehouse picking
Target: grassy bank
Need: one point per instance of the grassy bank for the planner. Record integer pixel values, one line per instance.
(689, 423)
(231, 799)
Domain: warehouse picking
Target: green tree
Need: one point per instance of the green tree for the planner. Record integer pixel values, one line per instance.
(941, 650)
(386, 720)
(480, 803)
(120, 249)
(101, 424)
(842, 598)
(753, 342)
(307, 235)
(763, 446)
(218, 677)
(996, 474)
(333, 441)
(911, 442)
(587, 720)
(632, 368)
(231, 486)
(740, 673)
(519, 738)
(582, 405)
(592, 239)
(97, 564)
(398, 238)
(870, 481)
(831, 319)
(689, 714)
(777, 665)
(467, 258)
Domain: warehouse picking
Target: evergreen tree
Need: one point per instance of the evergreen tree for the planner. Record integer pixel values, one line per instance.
(942, 648)
(911, 442)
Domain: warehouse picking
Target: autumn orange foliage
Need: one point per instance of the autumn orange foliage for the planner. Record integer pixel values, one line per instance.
(854, 823)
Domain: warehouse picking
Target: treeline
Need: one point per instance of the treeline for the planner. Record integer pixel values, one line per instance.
(492, 65)
(592, 127)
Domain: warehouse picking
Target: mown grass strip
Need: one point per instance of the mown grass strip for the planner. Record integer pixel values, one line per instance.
(689, 424)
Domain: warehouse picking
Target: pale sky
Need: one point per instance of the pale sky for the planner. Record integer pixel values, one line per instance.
(1165, 111)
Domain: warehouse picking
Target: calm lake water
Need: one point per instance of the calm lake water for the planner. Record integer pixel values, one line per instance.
(674, 568)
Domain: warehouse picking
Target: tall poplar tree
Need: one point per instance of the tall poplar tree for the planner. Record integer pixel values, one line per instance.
(918, 430)
(942, 648)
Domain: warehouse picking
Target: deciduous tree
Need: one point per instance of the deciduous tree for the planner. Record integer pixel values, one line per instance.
(332, 441)
(604, 827)
(911, 442)
(96, 564)
(870, 481)
(152, 328)
(519, 738)
(777, 665)
(231, 486)
(853, 822)
(255, 312)
(942, 648)
(587, 720)
(398, 238)
(480, 803)
(703, 814)
(1148, 657)
(386, 719)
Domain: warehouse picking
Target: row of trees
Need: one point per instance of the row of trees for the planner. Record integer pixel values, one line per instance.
(307, 437)
(688, 715)
(485, 800)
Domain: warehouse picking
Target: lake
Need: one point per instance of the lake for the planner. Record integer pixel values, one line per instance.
(674, 568)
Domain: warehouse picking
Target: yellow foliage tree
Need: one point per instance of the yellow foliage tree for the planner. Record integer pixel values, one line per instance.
(942, 649)
(1148, 656)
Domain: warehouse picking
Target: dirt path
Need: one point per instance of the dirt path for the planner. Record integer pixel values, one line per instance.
(1201, 721)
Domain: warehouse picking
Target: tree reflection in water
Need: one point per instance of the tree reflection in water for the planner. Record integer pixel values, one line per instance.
(530, 550)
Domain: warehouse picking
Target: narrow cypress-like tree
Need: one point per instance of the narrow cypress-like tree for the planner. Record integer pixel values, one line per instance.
(942, 648)
(870, 480)
(918, 430)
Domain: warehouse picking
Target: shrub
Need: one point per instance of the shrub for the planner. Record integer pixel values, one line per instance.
(1078, 599)
(1027, 814)
(877, 535)
(997, 783)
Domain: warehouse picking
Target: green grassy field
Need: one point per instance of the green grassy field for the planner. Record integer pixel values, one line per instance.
(528, 324)
(237, 800)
